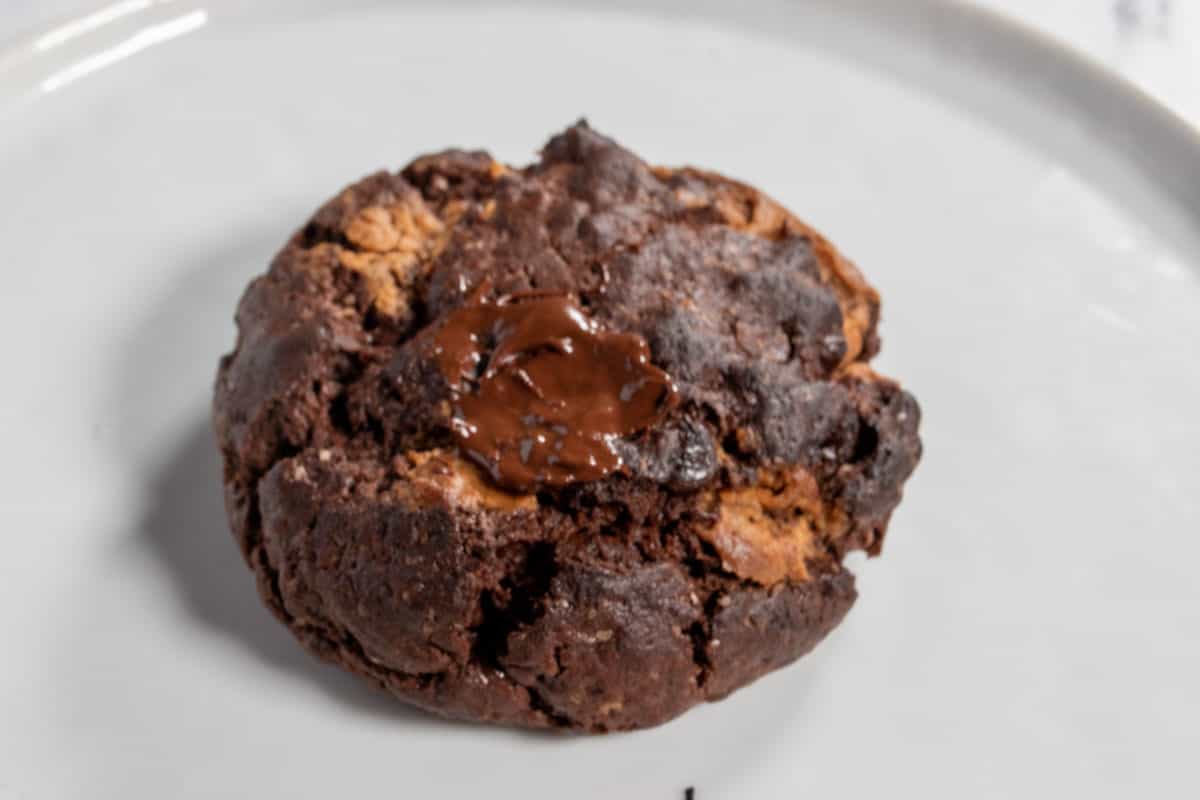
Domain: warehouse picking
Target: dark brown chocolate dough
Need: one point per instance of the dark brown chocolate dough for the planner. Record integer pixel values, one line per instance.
(542, 393)
(404, 521)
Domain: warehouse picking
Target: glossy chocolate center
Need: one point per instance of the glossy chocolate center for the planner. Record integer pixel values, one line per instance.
(541, 392)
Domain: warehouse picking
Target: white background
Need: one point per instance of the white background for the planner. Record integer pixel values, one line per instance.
(1153, 43)
(1032, 628)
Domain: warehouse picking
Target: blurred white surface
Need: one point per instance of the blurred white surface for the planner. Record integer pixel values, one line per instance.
(1155, 44)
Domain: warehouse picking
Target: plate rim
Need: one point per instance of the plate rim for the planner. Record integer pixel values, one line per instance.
(1162, 144)
(24, 48)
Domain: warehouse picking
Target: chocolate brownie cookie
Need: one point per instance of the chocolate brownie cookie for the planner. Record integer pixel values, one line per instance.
(577, 445)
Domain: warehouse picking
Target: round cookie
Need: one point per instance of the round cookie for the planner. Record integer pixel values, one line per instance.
(578, 445)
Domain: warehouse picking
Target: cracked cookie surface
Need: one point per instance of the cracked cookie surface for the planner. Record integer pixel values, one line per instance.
(710, 556)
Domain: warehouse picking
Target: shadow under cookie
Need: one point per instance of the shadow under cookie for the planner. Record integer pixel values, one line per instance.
(184, 528)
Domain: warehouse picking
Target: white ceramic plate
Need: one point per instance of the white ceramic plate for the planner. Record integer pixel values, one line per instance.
(1034, 227)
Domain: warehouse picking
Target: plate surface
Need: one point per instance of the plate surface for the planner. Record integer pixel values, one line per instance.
(1033, 225)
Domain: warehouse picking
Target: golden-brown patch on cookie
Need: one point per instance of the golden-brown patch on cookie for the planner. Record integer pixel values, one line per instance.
(391, 243)
(443, 478)
(774, 530)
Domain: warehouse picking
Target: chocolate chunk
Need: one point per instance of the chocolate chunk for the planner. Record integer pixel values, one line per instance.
(680, 455)
(541, 392)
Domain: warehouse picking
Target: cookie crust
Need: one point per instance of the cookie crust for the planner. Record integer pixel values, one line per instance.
(711, 557)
